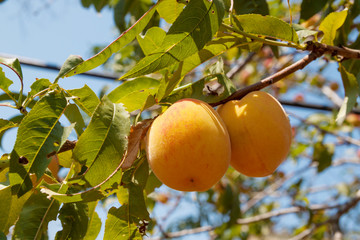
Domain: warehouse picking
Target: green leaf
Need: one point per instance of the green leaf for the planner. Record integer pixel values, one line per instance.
(125, 38)
(38, 86)
(5, 84)
(13, 64)
(331, 24)
(74, 221)
(195, 26)
(133, 94)
(152, 183)
(266, 26)
(37, 212)
(10, 208)
(6, 124)
(38, 135)
(120, 225)
(351, 85)
(151, 40)
(309, 8)
(254, 6)
(213, 48)
(71, 62)
(103, 143)
(85, 98)
(323, 154)
(137, 204)
(73, 114)
(94, 224)
(169, 10)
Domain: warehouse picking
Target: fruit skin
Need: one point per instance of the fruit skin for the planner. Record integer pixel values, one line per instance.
(188, 146)
(260, 133)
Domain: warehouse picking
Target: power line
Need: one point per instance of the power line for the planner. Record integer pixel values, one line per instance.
(40, 64)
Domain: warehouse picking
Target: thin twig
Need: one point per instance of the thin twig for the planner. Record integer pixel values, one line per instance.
(240, 66)
(344, 52)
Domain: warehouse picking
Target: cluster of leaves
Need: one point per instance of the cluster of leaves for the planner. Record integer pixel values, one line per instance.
(106, 159)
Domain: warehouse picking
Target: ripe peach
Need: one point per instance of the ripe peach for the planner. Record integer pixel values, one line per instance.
(188, 146)
(260, 133)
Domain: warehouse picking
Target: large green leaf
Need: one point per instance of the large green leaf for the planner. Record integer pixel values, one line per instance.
(310, 7)
(125, 38)
(195, 26)
(266, 26)
(74, 220)
(37, 212)
(94, 222)
(351, 85)
(102, 145)
(38, 135)
(10, 208)
(5, 84)
(120, 225)
(85, 98)
(253, 6)
(331, 24)
(133, 94)
(169, 10)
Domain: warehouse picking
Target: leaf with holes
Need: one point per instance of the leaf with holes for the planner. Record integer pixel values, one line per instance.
(38, 135)
(102, 145)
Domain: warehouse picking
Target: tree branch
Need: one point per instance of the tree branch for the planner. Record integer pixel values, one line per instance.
(344, 52)
(273, 78)
(342, 209)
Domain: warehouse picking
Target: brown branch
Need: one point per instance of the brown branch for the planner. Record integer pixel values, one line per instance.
(344, 52)
(273, 78)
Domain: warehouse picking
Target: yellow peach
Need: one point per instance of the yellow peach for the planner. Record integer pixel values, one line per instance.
(260, 133)
(188, 146)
